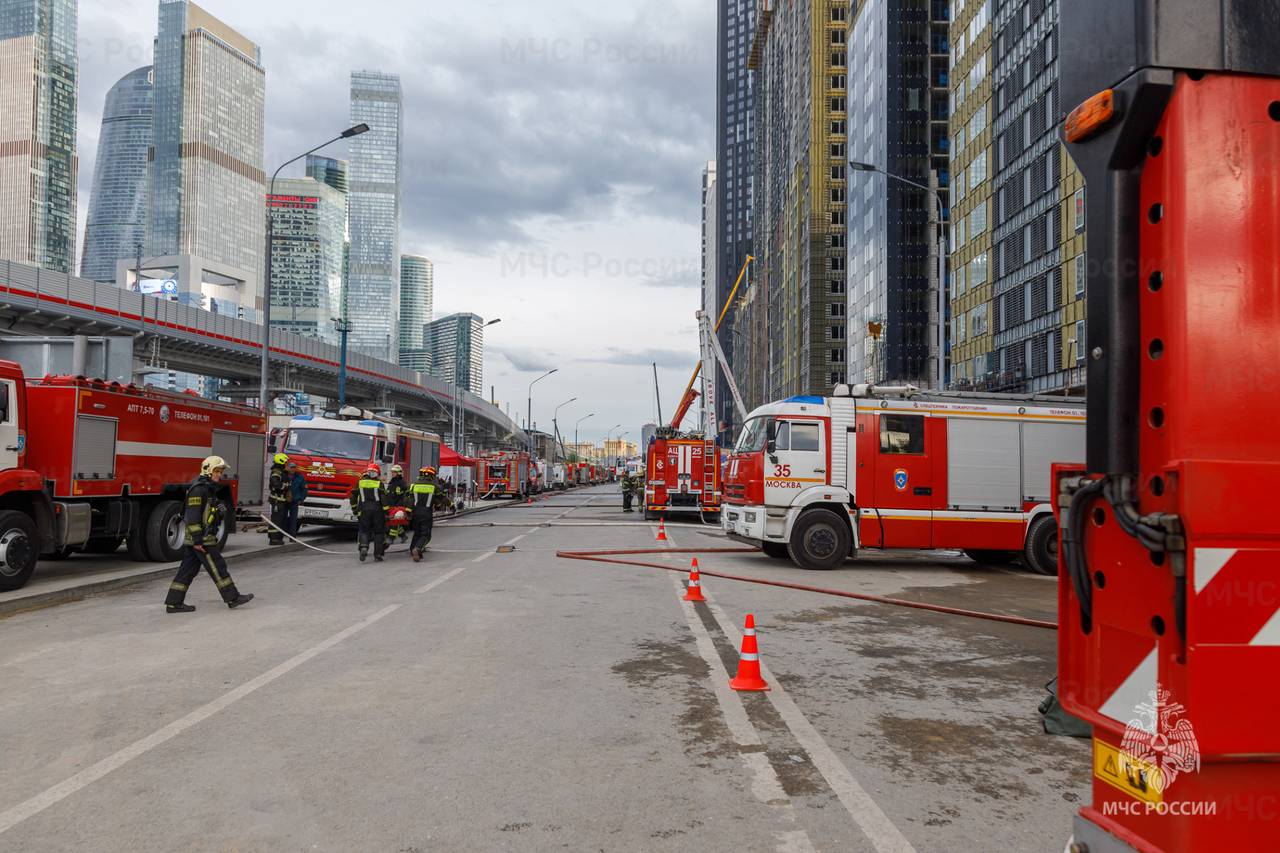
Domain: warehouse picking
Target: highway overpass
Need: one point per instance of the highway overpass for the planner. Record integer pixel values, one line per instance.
(171, 336)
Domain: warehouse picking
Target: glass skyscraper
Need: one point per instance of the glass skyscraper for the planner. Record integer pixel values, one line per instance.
(207, 184)
(326, 170)
(417, 284)
(456, 343)
(118, 201)
(373, 293)
(38, 88)
(309, 222)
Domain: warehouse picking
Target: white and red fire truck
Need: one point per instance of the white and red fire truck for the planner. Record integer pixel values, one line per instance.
(817, 479)
(682, 475)
(505, 474)
(333, 454)
(87, 465)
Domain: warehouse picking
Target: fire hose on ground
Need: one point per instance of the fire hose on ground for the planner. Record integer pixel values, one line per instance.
(608, 557)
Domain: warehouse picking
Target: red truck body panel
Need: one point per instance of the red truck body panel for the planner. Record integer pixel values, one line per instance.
(676, 473)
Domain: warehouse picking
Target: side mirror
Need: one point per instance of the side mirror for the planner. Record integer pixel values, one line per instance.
(771, 435)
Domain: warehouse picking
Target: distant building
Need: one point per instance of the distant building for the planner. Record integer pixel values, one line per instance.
(373, 278)
(456, 344)
(207, 181)
(38, 163)
(308, 228)
(326, 170)
(417, 281)
(117, 224)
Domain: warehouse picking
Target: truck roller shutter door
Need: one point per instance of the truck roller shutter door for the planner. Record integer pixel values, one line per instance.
(983, 470)
(95, 450)
(227, 445)
(1042, 446)
(252, 472)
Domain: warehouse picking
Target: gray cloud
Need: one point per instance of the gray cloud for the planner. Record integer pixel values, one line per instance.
(663, 357)
(523, 360)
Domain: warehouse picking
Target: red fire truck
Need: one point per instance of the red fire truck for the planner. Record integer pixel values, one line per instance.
(682, 475)
(819, 478)
(334, 452)
(86, 465)
(505, 474)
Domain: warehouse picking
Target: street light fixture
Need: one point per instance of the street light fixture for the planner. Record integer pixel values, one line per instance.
(263, 390)
(529, 421)
(943, 250)
(555, 422)
(575, 432)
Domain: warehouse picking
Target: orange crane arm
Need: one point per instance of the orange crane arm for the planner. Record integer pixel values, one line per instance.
(686, 402)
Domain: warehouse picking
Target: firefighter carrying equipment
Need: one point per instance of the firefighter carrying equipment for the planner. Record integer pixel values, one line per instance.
(369, 504)
(280, 495)
(213, 463)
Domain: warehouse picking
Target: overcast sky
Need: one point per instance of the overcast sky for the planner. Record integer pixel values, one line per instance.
(552, 163)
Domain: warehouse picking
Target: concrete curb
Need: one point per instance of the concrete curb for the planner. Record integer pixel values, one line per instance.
(52, 598)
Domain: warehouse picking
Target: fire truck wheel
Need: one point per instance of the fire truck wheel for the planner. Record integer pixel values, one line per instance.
(777, 550)
(1041, 550)
(820, 540)
(19, 549)
(164, 532)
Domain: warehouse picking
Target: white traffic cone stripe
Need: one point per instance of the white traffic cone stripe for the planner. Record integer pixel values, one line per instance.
(749, 656)
(750, 632)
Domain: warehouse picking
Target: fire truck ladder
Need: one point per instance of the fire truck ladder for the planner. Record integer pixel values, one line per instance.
(712, 353)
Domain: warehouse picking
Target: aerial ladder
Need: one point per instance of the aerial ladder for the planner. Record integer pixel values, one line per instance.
(1169, 598)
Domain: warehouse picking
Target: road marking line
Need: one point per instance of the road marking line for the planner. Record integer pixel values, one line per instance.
(874, 823)
(764, 778)
(91, 774)
(435, 583)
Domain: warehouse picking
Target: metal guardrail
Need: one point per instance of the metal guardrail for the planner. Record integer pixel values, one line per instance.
(33, 291)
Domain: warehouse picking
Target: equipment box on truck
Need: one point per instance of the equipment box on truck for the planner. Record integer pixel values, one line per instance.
(819, 478)
(107, 464)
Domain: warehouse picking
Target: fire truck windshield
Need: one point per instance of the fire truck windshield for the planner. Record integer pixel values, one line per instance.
(754, 436)
(324, 442)
(498, 471)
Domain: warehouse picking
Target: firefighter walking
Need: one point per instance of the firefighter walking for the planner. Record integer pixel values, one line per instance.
(397, 497)
(423, 493)
(369, 504)
(280, 494)
(203, 517)
(632, 485)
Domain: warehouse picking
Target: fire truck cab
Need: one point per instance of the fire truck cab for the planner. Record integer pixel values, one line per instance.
(817, 479)
(333, 453)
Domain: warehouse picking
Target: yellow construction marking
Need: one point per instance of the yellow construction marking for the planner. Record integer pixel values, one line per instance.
(1135, 777)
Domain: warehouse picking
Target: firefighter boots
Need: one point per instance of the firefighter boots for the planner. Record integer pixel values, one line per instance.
(179, 608)
(238, 601)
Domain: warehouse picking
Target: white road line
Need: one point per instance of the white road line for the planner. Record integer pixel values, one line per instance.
(764, 778)
(874, 823)
(435, 583)
(64, 789)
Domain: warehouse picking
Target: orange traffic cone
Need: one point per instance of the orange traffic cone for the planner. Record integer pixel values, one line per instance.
(662, 530)
(748, 677)
(695, 585)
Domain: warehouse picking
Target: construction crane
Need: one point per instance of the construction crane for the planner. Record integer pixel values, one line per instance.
(690, 395)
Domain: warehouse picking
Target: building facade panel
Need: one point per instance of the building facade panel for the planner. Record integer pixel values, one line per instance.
(307, 232)
(375, 202)
(417, 295)
(117, 223)
(456, 344)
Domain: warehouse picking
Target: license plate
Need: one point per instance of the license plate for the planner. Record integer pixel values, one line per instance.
(314, 513)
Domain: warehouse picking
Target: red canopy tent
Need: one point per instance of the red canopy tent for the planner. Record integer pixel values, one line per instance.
(450, 458)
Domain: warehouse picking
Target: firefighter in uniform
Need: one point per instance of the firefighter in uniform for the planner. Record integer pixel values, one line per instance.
(632, 485)
(397, 496)
(280, 494)
(423, 493)
(203, 518)
(369, 503)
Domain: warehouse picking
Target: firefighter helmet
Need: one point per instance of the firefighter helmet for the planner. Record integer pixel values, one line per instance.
(397, 469)
(281, 459)
(213, 463)
(373, 469)
(427, 471)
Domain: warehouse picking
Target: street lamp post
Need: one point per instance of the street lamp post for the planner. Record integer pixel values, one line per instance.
(942, 252)
(529, 420)
(575, 432)
(608, 436)
(340, 324)
(263, 403)
(555, 424)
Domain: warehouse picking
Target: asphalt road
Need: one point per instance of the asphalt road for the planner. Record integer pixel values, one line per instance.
(485, 701)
